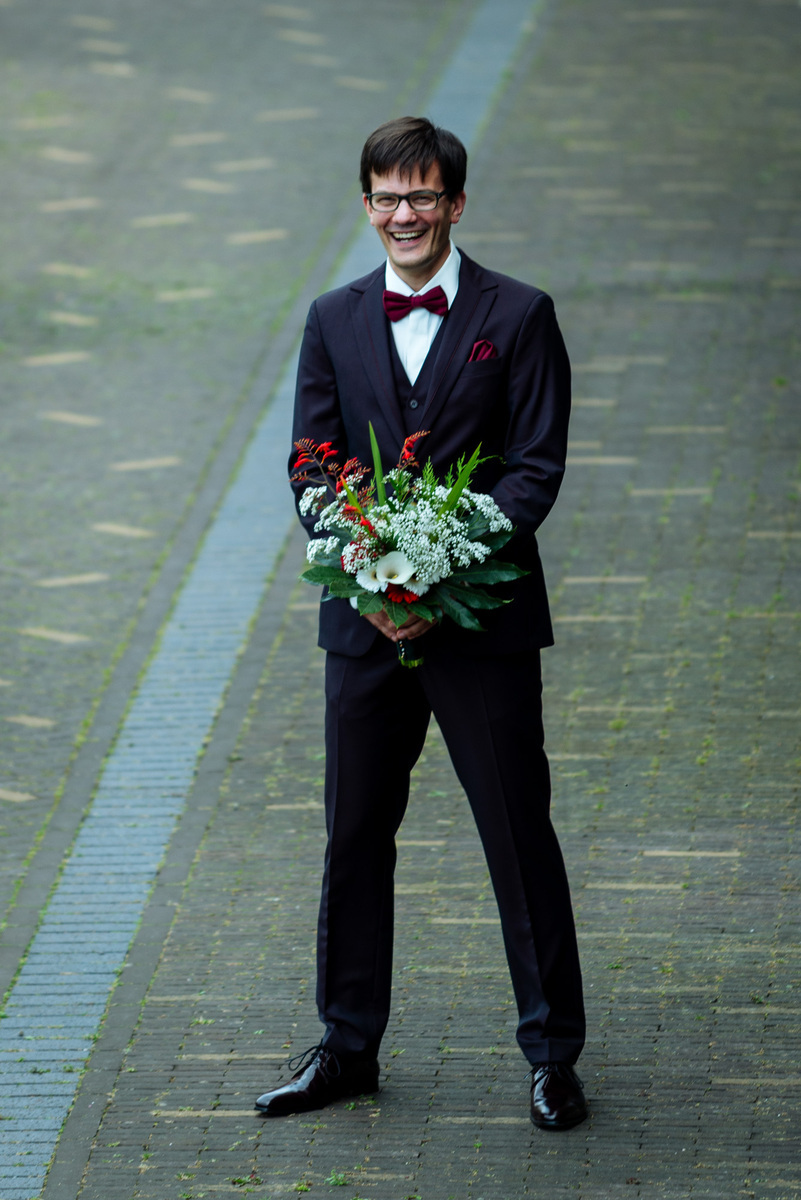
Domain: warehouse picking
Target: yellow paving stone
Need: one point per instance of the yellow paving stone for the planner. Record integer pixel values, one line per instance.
(301, 37)
(602, 460)
(250, 237)
(245, 164)
(465, 921)
(672, 491)
(288, 12)
(120, 70)
(664, 160)
(6, 683)
(74, 204)
(59, 581)
(213, 186)
(288, 114)
(613, 210)
(15, 797)
(686, 429)
(634, 886)
(98, 24)
(146, 464)
(585, 445)
(317, 60)
(773, 533)
(779, 205)
(59, 358)
(624, 579)
(179, 294)
(71, 318)
(662, 265)
(501, 235)
(301, 804)
(101, 46)
(190, 95)
(55, 122)
(71, 270)
(668, 225)
(53, 635)
(70, 418)
(361, 85)
(418, 842)
(163, 219)
(118, 530)
(692, 297)
(31, 722)
(197, 139)
(620, 708)
(574, 757)
(666, 14)
(606, 618)
(691, 853)
(773, 243)
(582, 193)
(697, 188)
(582, 146)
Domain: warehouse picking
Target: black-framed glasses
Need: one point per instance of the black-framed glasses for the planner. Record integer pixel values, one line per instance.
(388, 202)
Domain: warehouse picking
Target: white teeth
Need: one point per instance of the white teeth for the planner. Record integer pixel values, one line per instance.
(407, 237)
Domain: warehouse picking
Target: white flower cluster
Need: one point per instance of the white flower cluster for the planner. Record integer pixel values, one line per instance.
(311, 499)
(321, 546)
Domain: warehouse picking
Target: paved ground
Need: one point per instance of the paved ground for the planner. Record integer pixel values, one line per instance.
(170, 221)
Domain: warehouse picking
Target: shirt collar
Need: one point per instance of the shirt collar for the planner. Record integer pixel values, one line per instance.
(447, 277)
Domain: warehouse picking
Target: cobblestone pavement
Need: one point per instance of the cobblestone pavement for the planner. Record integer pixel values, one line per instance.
(182, 179)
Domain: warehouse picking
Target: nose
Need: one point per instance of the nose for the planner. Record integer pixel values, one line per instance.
(405, 212)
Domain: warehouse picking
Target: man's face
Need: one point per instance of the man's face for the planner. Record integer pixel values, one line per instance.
(417, 242)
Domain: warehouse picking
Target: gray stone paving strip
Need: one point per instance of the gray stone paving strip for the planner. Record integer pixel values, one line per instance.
(188, 676)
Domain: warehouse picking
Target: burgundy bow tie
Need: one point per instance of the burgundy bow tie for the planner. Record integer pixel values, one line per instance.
(397, 306)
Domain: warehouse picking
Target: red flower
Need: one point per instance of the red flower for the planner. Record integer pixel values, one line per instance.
(399, 595)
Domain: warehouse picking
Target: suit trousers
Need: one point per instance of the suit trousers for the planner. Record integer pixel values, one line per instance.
(489, 711)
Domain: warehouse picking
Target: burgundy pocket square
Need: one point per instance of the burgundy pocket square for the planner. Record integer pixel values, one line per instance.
(482, 350)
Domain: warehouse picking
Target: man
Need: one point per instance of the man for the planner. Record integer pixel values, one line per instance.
(487, 366)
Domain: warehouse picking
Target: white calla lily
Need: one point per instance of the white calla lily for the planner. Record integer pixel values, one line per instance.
(393, 568)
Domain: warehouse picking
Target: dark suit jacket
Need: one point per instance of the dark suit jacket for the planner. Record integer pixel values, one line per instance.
(516, 405)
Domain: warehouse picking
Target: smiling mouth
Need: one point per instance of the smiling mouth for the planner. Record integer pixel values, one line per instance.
(413, 236)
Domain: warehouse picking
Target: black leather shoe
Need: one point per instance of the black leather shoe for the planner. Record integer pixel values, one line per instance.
(557, 1096)
(322, 1078)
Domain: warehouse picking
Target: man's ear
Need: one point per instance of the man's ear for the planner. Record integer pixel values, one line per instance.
(458, 207)
(370, 212)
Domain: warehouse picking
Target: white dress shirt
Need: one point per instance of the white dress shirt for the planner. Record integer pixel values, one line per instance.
(414, 333)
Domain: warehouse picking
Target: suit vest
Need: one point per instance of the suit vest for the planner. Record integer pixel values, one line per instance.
(412, 397)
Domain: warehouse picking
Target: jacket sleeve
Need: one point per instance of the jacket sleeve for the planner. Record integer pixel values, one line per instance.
(538, 400)
(317, 410)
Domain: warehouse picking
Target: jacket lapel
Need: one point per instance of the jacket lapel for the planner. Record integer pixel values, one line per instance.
(372, 338)
(475, 298)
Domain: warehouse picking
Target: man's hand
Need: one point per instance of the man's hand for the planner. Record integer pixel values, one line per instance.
(415, 627)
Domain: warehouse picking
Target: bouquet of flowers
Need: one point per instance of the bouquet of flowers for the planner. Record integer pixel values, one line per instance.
(405, 541)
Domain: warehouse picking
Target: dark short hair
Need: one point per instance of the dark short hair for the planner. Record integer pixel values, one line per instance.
(414, 142)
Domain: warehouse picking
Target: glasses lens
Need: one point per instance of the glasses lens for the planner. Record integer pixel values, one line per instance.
(384, 201)
(420, 201)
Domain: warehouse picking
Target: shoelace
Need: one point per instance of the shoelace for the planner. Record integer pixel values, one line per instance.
(305, 1059)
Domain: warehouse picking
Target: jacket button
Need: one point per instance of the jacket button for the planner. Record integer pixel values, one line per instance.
(412, 404)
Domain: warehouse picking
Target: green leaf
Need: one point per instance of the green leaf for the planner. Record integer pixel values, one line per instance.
(456, 611)
(462, 480)
(488, 572)
(422, 610)
(319, 574)
(397, 613)
(380, 487)
(370, 602)
(473, 597)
